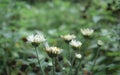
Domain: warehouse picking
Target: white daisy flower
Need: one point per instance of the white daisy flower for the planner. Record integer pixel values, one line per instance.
(53, 51)
(50, 64)
(68, 37)
(100, 42)
(87, 31)
(75, 43)
(78, 56)
(36, 39)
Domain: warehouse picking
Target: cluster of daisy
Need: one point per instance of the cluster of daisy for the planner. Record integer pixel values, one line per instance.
(70, 39)
(37, 39)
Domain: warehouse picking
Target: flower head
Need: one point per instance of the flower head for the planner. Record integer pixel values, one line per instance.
(78, 56)
(68, 37)
(100, 42)
(53, 51)
(75, 44)
(36, 39)
(87, 31)
(50, 64)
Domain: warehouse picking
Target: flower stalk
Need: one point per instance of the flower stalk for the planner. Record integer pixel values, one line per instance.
(77, 69)
(53, 68)
(39, 61)
(78, 58)
(70, 70)
(69, 55)
(94, 63)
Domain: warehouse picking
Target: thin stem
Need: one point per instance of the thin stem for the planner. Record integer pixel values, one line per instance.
(39, 61)
(69, 55)
(71, 67)
(77, 69)
(95, 59)
(53, 61)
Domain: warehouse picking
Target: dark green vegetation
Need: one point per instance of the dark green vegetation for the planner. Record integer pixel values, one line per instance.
(19, 18)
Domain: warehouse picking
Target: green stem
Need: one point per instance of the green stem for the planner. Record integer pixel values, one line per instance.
(53, 68)
(71, 67)
(95, 59)
(5, 65)
(39, 61)
(70, 59)
(77, 69)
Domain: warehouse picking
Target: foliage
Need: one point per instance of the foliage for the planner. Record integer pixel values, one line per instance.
(19, 18)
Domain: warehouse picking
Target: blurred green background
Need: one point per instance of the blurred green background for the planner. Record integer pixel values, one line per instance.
(19, 18)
